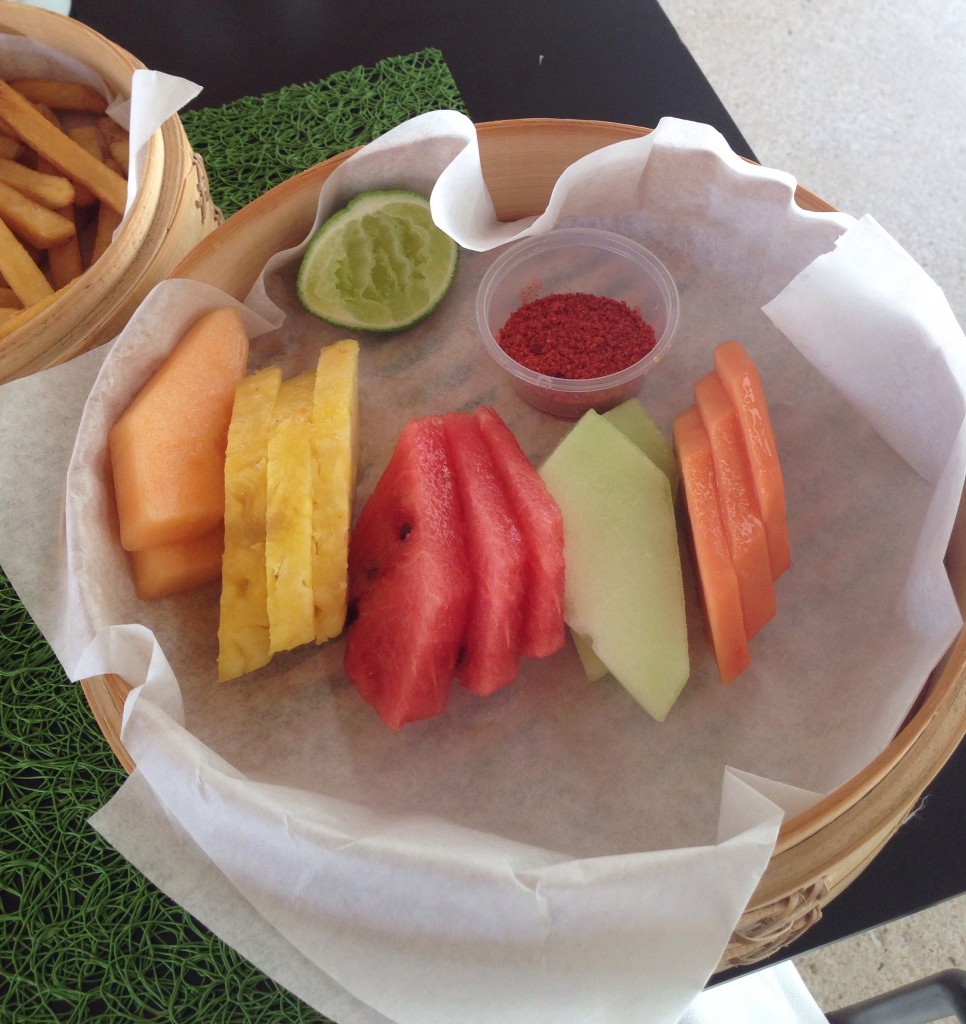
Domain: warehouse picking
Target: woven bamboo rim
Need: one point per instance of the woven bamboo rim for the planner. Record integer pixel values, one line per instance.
(173, 212)
(819, 852)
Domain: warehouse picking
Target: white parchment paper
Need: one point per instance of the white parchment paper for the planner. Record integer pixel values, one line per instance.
(549, 853)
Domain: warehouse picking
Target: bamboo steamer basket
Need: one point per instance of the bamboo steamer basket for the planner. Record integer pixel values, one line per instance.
(172, 212)
(819, 852)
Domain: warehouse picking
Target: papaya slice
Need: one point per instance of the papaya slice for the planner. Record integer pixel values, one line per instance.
(739, 503)
(737, 372)
(720, 597)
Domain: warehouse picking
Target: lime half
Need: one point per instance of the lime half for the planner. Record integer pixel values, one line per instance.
(380, 264)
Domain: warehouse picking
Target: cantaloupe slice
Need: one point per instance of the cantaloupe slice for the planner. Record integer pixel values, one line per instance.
(177, 567)
(739, 375)
(168, 448)
(243, 615)
(288, 518)
(721, 601)
(739, 504)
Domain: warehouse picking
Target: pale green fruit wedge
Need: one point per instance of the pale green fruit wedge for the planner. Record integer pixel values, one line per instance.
(632, 419)
(593, 667)
(380, 264)
(624, 590)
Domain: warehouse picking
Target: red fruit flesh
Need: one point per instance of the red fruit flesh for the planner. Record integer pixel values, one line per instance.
(541, 525)
(497, 559)
(409, 582)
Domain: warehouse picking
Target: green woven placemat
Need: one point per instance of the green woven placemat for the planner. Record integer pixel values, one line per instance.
(83, 936)
(254, 143)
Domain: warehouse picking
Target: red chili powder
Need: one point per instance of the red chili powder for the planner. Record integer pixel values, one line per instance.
(576, 335)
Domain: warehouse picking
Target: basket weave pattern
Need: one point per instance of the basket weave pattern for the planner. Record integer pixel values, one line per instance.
(769, 928)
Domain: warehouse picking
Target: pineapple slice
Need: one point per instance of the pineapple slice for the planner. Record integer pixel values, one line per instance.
(243, 624)
(335, 417)
(290, 478)
(288, 519)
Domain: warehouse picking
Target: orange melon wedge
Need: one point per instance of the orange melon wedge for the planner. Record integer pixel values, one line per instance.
(721, 600)
(738, 374)
(177, 567)
(740, 512)
(168, 447)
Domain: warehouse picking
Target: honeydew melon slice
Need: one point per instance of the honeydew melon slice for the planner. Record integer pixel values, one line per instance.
(593, 667)
(624, 588)
(633, 420)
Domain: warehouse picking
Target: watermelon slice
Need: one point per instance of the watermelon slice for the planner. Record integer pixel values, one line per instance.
(409, 581)
(497, 558)
(541, 525)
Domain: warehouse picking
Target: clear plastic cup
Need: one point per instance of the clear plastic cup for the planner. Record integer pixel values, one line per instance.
(577, 260)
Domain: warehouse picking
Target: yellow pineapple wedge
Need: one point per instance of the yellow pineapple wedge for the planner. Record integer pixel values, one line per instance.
(243, 623)
(335, 416)
(288, 519)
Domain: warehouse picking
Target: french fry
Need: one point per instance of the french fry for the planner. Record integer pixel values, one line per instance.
(116, 140)
(21, 273)
(89, 138)
(10, 148)
(50, 190)
(35, 223)
(60, 95)
(63, 192)
(107, 222)
(54, 145)
(64, 262)
(48, 113)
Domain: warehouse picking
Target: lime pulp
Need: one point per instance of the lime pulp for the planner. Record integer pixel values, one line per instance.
(380, 264)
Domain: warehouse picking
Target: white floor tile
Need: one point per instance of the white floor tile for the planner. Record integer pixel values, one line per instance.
(865, 104)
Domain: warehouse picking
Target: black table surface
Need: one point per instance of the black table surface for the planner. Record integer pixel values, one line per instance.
(617, 60)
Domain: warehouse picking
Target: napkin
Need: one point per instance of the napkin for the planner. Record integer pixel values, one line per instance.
(774, 994)
(550, 853)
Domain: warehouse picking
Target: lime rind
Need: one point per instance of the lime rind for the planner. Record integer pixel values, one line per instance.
(380, 264)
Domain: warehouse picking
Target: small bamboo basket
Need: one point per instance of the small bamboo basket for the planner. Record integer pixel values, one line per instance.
(819, 852)
(173, 211)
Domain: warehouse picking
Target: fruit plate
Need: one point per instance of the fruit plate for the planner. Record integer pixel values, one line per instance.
(819, 851)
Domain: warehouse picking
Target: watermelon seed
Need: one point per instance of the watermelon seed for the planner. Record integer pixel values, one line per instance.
(405, 530)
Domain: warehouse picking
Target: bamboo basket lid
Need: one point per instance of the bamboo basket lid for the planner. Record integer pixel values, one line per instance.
(820, 851)
(172, 212)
